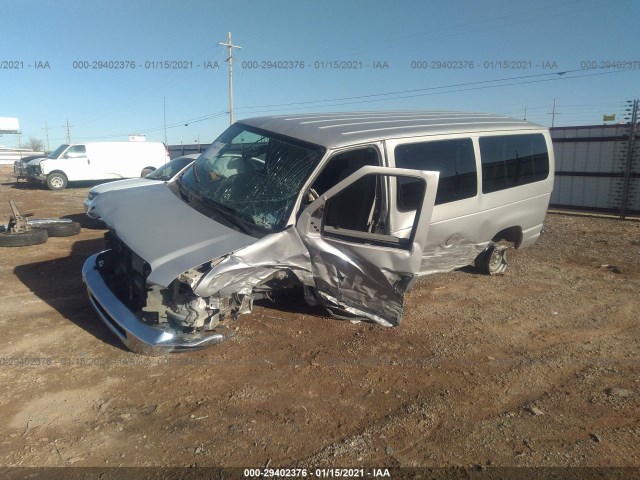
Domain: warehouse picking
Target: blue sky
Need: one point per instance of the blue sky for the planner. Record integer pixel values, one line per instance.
(493, 56)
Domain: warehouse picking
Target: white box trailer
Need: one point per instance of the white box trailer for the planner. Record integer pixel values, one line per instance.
(97, 161)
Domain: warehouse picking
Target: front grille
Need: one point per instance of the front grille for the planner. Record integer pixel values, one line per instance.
(125, 272)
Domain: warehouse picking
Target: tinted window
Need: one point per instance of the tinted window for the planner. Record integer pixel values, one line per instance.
(455, 161)
(512, 160)
(342, 165)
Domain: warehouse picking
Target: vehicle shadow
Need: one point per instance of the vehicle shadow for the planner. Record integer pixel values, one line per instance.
(59, 284)
(25, 185)
(22, 185)
(292, 301)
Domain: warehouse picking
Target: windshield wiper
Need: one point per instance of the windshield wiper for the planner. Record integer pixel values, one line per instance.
(195, 172)
(183, 190)
(230, 216)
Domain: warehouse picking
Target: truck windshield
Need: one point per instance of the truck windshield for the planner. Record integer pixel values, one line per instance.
(58, 151)
(251, 177)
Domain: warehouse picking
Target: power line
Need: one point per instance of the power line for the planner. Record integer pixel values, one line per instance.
(412, 93)
(156, 129)
(429, 91)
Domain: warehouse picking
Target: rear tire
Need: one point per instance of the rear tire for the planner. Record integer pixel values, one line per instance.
(35, 236)
(57, 181)
(493, 260)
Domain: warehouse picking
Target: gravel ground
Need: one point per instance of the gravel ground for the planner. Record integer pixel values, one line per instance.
(538, 367)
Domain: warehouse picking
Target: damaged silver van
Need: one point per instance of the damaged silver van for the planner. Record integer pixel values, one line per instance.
(352, 207)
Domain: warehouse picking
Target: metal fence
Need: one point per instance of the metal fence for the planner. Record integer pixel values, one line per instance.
(179, 150)
(593, 171)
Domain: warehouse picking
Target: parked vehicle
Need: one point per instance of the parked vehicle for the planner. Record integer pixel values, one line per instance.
(352, 207)
(20, 166)
(162, 174)
(97, 161)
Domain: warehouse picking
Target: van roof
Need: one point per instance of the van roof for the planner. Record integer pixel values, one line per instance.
(338, 129)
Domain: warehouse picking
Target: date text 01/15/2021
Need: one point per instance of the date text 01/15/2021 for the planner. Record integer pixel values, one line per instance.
(317, 472)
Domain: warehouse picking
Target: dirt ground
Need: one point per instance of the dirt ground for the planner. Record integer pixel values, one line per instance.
(539, 367)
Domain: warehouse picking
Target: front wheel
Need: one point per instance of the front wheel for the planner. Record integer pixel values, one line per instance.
(493, 260)
(56, 181)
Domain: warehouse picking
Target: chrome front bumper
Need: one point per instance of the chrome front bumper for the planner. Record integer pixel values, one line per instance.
(136, 335)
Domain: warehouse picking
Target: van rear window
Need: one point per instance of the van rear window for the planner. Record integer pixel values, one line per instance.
(455, 161)
(512, 160)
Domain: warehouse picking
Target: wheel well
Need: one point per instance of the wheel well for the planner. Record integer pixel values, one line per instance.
(511, 234)
(57, 171)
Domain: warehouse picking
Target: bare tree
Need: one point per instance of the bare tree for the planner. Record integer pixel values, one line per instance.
(34, 144)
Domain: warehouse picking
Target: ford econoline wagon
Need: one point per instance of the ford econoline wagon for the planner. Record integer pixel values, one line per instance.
(351, 207)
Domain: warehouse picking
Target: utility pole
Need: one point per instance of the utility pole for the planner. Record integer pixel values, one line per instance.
(553, 113)
(68, 132)
(230, 46)
(46, 132)
(164, 108)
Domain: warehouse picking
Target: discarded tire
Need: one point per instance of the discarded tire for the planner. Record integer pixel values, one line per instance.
(34, 236)
(59, 229)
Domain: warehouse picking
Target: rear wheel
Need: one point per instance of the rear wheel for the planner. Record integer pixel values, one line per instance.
(493, 260)
(34, 236)
(56, 181)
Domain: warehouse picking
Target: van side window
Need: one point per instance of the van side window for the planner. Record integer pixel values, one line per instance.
(357, 207)
(512, 160)
(342, 165)
(455, 161)
(353, 207)
(76, 151)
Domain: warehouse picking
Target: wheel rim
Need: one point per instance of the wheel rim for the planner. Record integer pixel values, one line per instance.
(56, 182)
(497, 261)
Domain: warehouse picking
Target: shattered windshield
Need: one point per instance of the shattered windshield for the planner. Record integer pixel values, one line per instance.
(251, 177)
